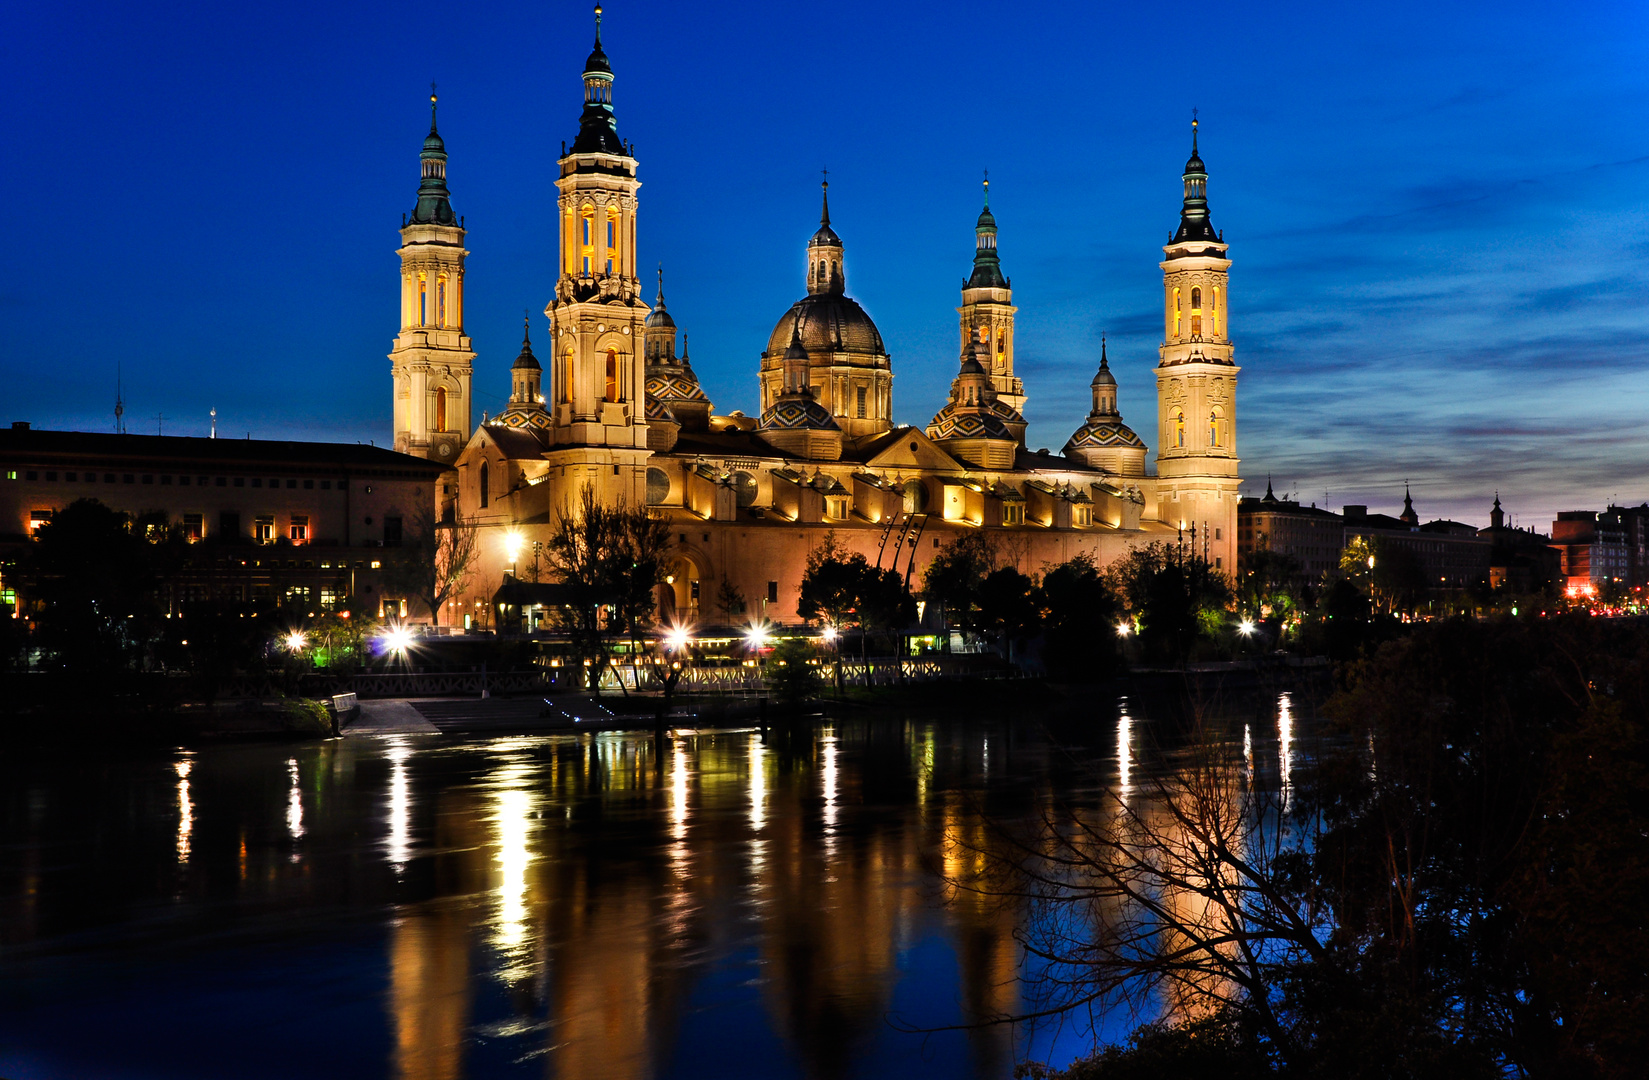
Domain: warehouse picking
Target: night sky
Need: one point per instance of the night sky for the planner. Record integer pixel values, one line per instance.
(1436, 212)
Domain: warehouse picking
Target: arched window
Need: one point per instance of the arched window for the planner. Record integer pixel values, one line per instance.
(1214, 313)
(1196, 298)
(564, 381)
(486, 492)
(1175, 314)
(612, 374)
(441, 302)
(440, 410)
(1179, 428)
(423, 302)
(1214, 428)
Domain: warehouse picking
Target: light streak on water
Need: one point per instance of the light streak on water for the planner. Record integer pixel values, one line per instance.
(1285, 747)
(1125, 753)
(679, 776)
(1248, 754)
(513, 806)
(294, 801)
(186, 808)
(827, 752)
(758, 783)
(400, 805)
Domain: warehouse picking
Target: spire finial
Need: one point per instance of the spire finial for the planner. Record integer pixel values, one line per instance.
(598, 26)
(824, 186)
(1193, 132)
(661, 284)
(526, 327)
(987, 189)
(432, 108)
(1103, 360)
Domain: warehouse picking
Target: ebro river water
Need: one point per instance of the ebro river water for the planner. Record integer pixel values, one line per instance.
(577, 906)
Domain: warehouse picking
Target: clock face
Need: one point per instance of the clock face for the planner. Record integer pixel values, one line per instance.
(445, 450)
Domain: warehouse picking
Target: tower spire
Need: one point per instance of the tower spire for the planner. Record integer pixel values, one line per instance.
(432, 108)
(434, 205)
(824, 211)
(1194, 223)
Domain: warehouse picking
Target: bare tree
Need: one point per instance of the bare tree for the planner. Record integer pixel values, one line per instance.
(435, 561)
(1173, 896)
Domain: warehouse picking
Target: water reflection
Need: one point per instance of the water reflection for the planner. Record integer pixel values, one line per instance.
(1125, 752)
(400, 804)
(294, 802)
(185, 808)
(607, 906)
(1285, 747)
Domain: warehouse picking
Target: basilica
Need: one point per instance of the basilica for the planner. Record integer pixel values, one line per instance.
(608, 398)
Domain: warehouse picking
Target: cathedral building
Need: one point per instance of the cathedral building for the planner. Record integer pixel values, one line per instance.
(615, 405)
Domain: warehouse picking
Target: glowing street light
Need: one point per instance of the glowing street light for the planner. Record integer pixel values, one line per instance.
(513, 543)
(831, 633)
(296, 641)
(397, 639)
(677, 637)
(756, 636)
(1245, 628)
(1123, 629)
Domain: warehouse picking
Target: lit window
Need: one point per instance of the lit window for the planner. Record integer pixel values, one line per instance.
(1179, 429)
(486, 493)
(423, 302)
(612, 374)
(194, 527)
(860, 405)
(39, 519)
(263, 530)
(299, 530)
(440, 410)
(441, 302)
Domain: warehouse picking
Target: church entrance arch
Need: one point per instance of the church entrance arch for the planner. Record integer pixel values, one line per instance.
(684, 596)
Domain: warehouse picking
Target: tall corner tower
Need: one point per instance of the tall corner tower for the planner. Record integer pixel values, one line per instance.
(1197, 380)
(987, 313)
(597, 319)
(431, 363)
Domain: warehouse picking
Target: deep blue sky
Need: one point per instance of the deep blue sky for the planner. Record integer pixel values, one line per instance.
(1436, 211)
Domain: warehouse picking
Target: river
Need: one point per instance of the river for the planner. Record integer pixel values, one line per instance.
(573, 906)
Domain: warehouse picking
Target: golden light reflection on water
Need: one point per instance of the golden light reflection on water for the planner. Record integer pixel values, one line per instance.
(1125, 752)
(514, 805)
(185, 808)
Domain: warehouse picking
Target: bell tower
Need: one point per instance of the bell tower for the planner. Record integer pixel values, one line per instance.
(598, 370)
(987, 313)
(431, 361)
(1197, 380)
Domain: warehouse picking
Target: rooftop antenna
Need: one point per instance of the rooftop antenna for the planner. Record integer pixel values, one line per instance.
(120, 401)
(214, 421)
(159, 421)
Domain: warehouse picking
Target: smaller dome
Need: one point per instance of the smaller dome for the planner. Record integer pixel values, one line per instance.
(597, 63)
(948, 425)
(825, 237)
(526, 361)
(1103, 377)
(659, 319)
(972, 366)
(1104, 435)
(797, 413)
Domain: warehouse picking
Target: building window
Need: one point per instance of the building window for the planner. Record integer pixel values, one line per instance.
(298, 533)
(441, 302)
(194, 527)
(263, 530)
(772, 592)
(11, 474)
(392, 532)
(423, 302)
(860, 402)
(1174, 315)
(309, 485)
(1179, 429)
(257, 482)
(39, 519)
(1196, 312)
(440, 410)
(228, 524)
(612, 374)
(1214, 314)
(486, 493)
(1013, 514)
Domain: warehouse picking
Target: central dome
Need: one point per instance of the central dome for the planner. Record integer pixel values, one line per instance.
(829, 322)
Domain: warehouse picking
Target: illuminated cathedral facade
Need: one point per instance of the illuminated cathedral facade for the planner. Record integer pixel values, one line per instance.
(608, 399)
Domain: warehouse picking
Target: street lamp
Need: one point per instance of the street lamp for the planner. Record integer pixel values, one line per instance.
(1123, 629)
(296, 641)
(830, 633)
(513, 542)
(1245, 628)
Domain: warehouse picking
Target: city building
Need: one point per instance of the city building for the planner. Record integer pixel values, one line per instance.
(613, 407)
(1447, 555)
(1312, 536)
(1592, 547)
(1520, 560)
(1634, 523)
(267, 521)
